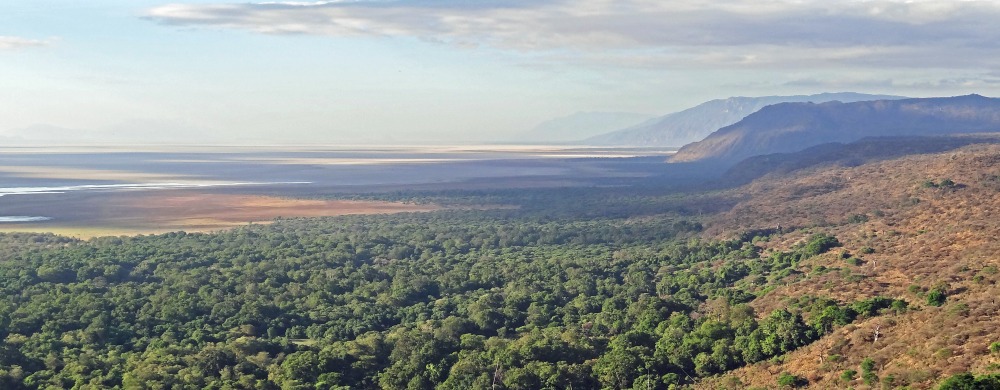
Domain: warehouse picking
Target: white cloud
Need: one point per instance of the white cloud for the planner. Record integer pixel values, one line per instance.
(12, 43)
(645, 33)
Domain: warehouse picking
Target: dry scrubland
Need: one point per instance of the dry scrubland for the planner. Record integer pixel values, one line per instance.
(910, 233)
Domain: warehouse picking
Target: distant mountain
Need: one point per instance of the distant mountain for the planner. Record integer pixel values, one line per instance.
(134, 132)
(694, 124)
(790, 127)
(573, 128)
(43, 133)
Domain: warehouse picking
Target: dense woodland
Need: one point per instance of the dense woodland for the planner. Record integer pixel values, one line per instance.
(528, 299)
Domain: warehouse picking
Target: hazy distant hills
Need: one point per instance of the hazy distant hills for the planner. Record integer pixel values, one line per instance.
(134, 132)
(580, 125)
(790, 127)
(694, 124)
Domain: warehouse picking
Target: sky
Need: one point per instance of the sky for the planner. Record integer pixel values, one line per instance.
(451, 71)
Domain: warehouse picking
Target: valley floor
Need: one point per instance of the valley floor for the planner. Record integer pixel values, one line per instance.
(881, 274)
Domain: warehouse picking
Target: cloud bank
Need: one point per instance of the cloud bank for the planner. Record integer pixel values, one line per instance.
(13, 43)
(648, 33)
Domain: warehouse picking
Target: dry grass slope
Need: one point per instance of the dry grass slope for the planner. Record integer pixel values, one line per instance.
(919, 235)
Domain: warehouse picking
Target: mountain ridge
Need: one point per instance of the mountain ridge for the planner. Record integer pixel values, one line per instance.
(695, 123)
(790, 127)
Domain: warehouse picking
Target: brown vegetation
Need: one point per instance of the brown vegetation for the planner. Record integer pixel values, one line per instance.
(914, 223)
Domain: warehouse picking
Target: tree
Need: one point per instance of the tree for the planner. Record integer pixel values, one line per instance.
(936, 297)
(783, 331)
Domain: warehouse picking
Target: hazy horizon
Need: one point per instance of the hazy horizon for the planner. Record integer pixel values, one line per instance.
(432, 72)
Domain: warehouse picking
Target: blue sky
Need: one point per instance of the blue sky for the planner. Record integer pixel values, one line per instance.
(449, 71)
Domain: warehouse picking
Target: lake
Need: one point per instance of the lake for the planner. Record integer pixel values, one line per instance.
(87, 191)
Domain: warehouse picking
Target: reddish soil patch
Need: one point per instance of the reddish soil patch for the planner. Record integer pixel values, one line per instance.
(147, 212)
(240, 209)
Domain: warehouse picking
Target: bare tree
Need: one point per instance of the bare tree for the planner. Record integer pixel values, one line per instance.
(496, 375)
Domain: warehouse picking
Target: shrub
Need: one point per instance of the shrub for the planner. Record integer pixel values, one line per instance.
(848, 375)
(966, 380)
(889, 382)
(868, 371)
(788, 380)
(857, 218)
(870, 307)
(819, 243)
(900, 306)
(936, 297)
(867, 250)
(961, 310)
(995, 347)
(959, 381)
(870, 378)
(868, 365)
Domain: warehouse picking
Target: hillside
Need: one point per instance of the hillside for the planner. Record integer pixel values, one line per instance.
(693, 124)
(784, 280)
(790, 127)
(856, 153)
(914, 224)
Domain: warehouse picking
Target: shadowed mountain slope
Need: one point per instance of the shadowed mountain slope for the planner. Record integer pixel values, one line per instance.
(856, 153)
(790, 127)
(693, 124)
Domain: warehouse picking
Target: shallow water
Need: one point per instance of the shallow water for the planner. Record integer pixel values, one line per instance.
(137, 186)
(22, 218)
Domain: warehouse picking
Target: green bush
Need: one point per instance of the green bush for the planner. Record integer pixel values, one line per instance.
(848, 375)
(868, 365)
(868, 371)
(788, 380)
(899, 306)
(967, 381)
(995, 347)
(819, 243)
(936, 297)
